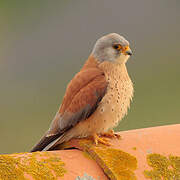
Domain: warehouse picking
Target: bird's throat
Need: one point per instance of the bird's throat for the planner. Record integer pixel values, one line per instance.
(122, 59)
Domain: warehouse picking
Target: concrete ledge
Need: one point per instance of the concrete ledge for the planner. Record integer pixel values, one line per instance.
(140, 154)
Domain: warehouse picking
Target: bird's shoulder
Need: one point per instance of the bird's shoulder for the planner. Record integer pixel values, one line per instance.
(89, 80)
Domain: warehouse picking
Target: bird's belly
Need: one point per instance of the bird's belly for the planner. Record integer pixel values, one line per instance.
(112, 108)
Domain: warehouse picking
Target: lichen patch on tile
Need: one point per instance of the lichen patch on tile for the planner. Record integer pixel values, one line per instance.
(117, 164)
(163, 168)
(35, 165)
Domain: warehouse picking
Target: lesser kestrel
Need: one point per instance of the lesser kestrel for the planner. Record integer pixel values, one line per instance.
(96, 99)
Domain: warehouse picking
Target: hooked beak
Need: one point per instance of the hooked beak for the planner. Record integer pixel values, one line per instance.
(127, 51)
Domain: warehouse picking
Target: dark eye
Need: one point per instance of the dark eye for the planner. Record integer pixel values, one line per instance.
(117, 47)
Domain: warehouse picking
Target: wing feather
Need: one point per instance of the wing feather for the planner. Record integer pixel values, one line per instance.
(81, 99)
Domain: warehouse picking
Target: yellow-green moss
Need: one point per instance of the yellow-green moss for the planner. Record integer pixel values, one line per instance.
(8, 168)
(40, 166)
(117, 165)
(87, 155)
(87, 143)
(163, 167)
(134, 148)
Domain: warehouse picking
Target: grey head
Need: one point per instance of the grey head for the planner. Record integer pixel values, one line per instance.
(111, 47)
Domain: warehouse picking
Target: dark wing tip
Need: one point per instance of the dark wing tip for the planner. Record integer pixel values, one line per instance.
(45, 141)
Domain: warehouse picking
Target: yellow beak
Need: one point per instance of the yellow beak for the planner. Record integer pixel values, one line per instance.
(127, 51)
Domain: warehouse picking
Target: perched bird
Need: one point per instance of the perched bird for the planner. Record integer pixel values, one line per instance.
(96, 99)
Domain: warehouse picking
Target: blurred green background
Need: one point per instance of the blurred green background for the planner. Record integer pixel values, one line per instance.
(44, 43)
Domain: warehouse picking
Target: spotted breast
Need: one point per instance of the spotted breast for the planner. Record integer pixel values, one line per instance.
(116, 102)
(114, 105)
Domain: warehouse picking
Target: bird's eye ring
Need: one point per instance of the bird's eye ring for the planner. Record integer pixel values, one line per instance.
(117, 46)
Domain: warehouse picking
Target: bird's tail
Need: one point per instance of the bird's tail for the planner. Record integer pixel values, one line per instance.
(47, 142)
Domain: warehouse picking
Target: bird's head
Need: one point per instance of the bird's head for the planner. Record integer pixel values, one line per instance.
(112, 47)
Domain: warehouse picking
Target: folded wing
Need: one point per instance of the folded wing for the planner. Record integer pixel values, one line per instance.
(81, 99)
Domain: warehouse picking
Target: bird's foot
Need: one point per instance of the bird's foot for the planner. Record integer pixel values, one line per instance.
(111, 134)
(101, 140)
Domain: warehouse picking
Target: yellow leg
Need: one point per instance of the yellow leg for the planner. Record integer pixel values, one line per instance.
(101, 140)
(111, 134)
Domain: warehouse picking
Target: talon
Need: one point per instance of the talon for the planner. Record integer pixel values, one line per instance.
(111, 134)
(101, 140)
